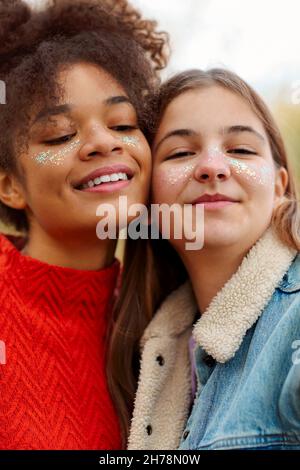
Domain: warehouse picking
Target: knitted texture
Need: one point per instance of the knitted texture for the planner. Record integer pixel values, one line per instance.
(54, 322)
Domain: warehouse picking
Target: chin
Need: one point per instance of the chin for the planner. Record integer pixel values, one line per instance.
(221, 236)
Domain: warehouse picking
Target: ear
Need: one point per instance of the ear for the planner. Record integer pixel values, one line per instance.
(11, 191)
(281, 182)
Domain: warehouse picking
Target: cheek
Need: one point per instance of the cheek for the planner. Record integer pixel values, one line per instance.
(169, 181)
(257, 180)
(55, 157)
(139, 149)
(255, 176)
(145, 161)
(54, 162)
(44, 182)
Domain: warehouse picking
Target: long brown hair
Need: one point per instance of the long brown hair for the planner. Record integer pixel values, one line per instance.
(152, 268)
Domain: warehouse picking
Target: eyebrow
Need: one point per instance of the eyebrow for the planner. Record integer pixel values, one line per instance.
(226, 130)
(174, 133)
(54, 111)
(66, 108)
(117, 100)
(239, 128)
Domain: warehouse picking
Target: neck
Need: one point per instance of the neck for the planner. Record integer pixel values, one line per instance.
(78, 251)
(209, 269)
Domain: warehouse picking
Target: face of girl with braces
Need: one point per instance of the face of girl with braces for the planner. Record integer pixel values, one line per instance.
(85, 151)
(212, 149)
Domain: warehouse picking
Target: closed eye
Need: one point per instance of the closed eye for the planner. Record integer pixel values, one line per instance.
(124, 128)
(241, 151)
(180, 155)
(59, 140)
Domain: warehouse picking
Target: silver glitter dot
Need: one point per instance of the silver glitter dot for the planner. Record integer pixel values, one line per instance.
(46, 158)
(176, 175)
(261, 175)
(130, 140)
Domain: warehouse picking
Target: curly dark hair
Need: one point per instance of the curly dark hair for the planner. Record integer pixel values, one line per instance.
(36, 44)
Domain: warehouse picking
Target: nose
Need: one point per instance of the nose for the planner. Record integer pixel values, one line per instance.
(100, 142)
(212, 167)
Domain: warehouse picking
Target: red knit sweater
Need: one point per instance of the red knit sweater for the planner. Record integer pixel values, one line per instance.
(53, 323)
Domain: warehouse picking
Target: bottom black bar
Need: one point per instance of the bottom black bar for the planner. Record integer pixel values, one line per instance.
(134, 459)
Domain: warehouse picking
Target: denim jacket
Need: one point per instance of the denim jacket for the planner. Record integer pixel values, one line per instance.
(253, 400)
(247, 361)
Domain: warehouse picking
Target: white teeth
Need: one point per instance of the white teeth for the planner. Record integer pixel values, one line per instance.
(105, 179)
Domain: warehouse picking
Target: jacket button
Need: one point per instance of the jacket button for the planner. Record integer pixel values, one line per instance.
(160, 360)
(149, 429)
(209, 360)
(185, 434)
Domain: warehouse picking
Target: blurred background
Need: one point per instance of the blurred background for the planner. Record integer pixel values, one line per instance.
(259, 40)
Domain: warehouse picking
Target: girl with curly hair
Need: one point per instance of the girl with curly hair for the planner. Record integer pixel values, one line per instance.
(76, 74)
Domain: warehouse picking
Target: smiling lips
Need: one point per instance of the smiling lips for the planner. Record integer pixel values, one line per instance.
(214, 201)
(106, 179)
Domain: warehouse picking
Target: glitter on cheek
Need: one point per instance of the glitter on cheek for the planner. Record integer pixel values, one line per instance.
(262, 175)
(43, 157)
(50, 158)
(132, 141)
(176, 175)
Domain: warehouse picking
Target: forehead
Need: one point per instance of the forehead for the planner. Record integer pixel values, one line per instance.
(84, 87)
(208, 109)
(88, 82)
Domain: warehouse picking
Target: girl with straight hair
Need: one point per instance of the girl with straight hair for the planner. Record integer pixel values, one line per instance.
(217, 328)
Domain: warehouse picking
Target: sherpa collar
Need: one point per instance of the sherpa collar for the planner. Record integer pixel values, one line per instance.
(236, 307)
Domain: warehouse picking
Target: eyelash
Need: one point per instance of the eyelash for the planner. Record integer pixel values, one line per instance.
(238, 151)
(180, 154)
(241, 151)
(59, 140)
(66, 138)
(124, 128)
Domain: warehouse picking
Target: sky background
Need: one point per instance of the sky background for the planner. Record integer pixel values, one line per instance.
(258, 39)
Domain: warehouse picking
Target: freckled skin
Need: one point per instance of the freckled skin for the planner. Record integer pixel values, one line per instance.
(211, 161)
